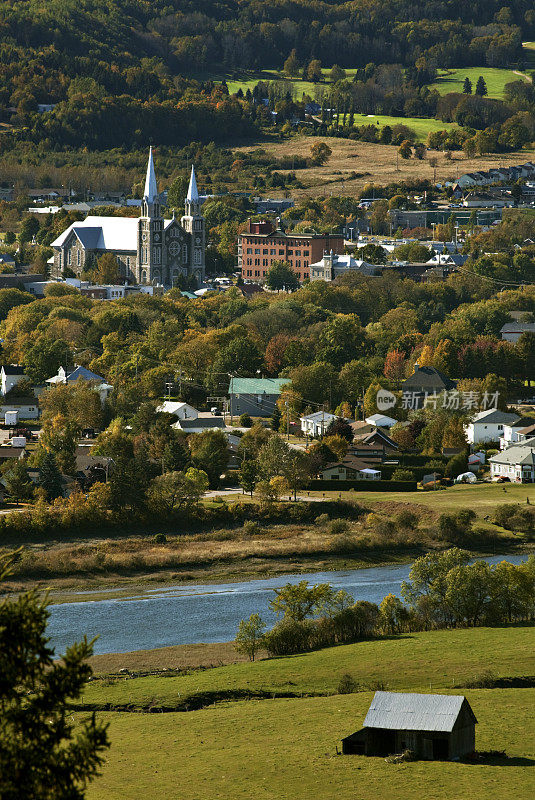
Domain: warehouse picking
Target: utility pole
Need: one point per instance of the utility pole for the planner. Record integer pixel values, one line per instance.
(287, 421)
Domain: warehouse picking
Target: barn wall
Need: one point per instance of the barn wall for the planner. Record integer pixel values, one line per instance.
(463, 741)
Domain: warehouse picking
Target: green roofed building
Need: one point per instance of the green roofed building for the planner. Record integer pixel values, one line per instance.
(254, 396)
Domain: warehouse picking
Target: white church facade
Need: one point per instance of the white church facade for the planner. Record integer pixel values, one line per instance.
(149, 249)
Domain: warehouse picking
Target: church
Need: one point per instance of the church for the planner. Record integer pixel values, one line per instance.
(149, 249)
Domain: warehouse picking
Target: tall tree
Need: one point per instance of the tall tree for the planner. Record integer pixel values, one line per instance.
(50, 476)
(44, 753)
(481, 87)
(467, 86)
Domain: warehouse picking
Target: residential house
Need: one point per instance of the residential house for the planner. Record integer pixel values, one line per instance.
(10, 376)
(82, 373)
(510, 434)
(178, 409)
(487, 426)
(350, 468)
(425, 384)
(317, 423)
(202, 422)
(526, 433)
(433, 726)
(381, 421)
(377, 438)
(254, 396)
(512, 331)
(7, 260)
(517, 463)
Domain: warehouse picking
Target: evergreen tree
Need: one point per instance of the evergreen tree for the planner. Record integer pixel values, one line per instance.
(17, 482)
(44, 753)
(276, 419)
(467, 86)
(291, 65)
(50, 476)
(481, 87)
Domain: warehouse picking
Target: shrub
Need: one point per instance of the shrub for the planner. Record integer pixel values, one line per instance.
(160, 538)
(251, 528)
(246, 421)
(338, 526)
(323, 519)
(403, 475)
(343, 544)
(407, 519)
(289, 637)
(347, 684)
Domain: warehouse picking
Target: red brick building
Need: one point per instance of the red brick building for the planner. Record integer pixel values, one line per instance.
(261, 245)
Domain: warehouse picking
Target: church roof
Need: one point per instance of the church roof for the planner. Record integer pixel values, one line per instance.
(105, 233)
(193, 193)
(151, 187)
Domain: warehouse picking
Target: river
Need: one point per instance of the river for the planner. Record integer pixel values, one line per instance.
(204, 613)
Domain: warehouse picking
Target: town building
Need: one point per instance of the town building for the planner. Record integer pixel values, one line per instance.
(262, 244)
(255, 396)
(149, 249)
(331, 266)
(178, 409)
(516, 463)
(488, 426)
(432, 726)
(515, 431)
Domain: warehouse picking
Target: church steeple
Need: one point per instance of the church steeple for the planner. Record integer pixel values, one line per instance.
(151, 187)
(151, 198)
(192, 197)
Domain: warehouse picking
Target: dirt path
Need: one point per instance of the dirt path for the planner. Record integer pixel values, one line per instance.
(523, 75)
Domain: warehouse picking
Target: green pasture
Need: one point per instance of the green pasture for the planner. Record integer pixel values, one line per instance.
(452, 80)
(289, 749)
(481, 498)
(248, 80)
(426, 661)
(422, 126)
(529, 54)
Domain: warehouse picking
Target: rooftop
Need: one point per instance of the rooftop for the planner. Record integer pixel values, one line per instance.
(414, 712)
(257, 385)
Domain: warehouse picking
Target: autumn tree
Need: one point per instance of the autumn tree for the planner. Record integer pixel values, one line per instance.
(395, 365)
(291, 65)
(313, 72)
(281, 276)
(107, 270)
(320, 152)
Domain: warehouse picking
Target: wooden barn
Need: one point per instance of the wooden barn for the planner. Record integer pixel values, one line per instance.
(432, 726)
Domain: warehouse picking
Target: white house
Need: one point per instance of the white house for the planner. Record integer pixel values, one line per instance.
(487, 426)
(316, 424)
(179, 410)
(381, 421)
(10, 375)
(513, 432)
(81, 373)
(202, 422)
(26, 409)
(517, 463)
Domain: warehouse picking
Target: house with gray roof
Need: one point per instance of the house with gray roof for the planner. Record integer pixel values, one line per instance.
(433, 726)
(517, 463)
(255, 396)
(512, 331)
(488, 426)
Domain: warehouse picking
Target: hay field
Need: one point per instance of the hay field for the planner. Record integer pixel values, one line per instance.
(373, 163)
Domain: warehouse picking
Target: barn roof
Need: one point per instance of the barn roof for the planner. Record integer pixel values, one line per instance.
(414, 712)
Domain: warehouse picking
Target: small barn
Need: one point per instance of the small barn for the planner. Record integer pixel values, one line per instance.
(433, 726)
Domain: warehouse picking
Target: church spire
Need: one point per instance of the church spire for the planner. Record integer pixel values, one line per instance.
(151, 187)
(193, 194)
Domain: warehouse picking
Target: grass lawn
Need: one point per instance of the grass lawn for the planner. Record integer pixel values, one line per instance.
(482, 498)
(247, 80)
(421, 126)
(278, 749)
(452, 80)
(529, 54)
(428, 661)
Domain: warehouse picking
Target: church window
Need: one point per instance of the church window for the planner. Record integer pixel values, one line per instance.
(197, 225)
(174, 248)
(128, 261)
(184, 252)
(157, 253)
(69, 257)
(143, 276)
(197, 257)
(78, 257)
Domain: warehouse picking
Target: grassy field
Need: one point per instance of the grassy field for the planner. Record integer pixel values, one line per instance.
(421, 126)
(482, 498)
(432, 661)
(529, 54)
(452, 80)
(247, 80)
(354, 164)
(287, 748)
